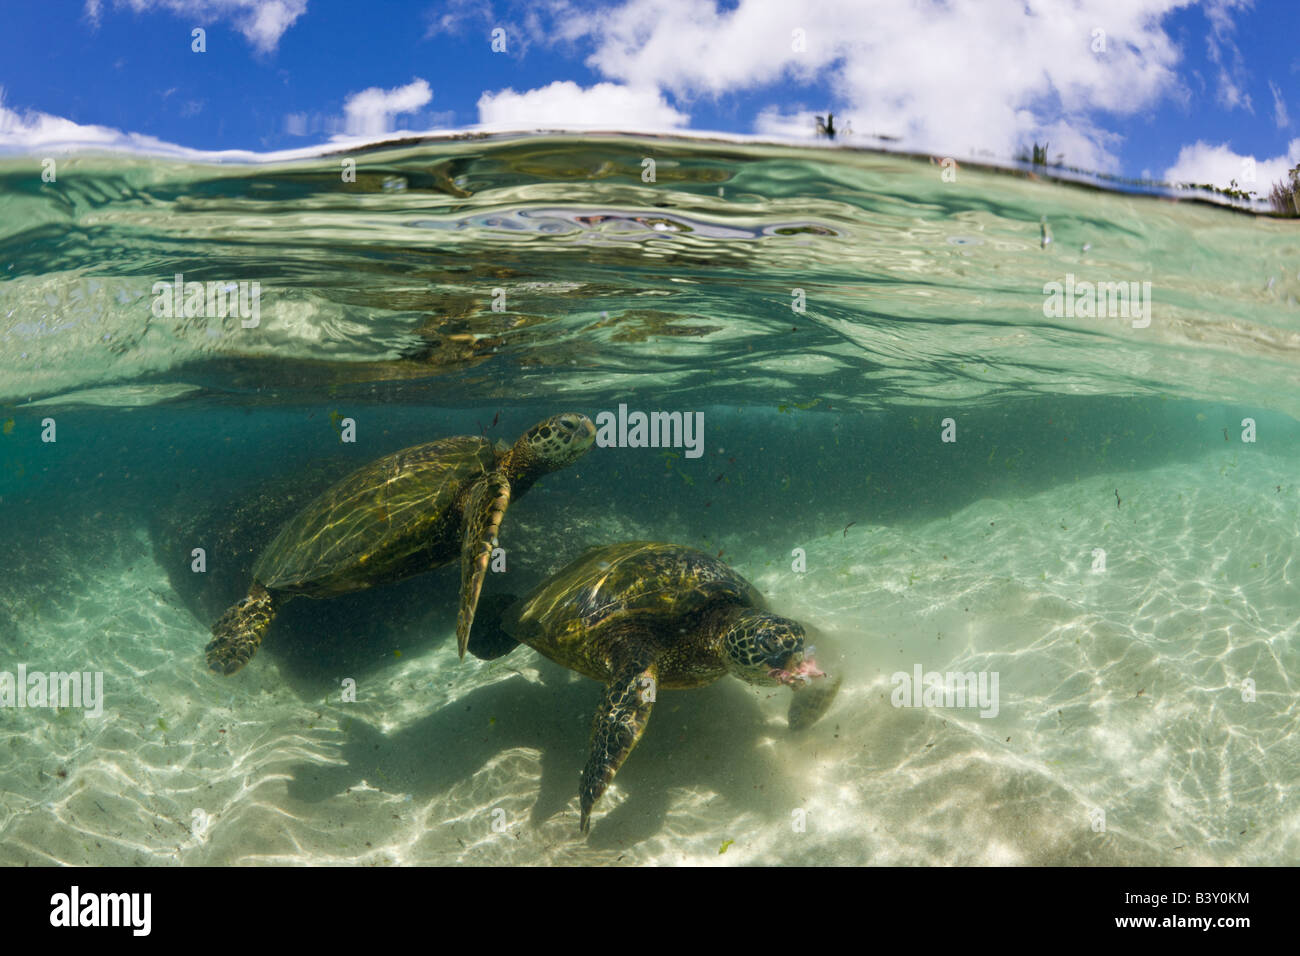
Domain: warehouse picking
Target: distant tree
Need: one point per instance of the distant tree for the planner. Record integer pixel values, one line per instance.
(1284, 197)
(1039, 156)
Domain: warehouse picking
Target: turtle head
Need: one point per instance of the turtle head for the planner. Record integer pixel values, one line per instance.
(765, 649)
(552, 444)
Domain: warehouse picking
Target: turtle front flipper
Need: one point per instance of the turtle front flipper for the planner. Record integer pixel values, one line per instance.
(813, 696)
(239, 632)
(484, 508)
(620, 721)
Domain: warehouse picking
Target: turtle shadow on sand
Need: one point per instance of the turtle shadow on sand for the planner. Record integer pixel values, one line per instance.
(708, 738)
(316, 643)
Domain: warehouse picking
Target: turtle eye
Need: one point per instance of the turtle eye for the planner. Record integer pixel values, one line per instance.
(777, 659)
(776, 648)
(775, 653)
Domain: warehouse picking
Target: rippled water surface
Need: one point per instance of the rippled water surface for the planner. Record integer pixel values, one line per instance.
(900, 449)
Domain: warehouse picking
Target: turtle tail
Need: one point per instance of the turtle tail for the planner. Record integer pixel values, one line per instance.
(239, 632)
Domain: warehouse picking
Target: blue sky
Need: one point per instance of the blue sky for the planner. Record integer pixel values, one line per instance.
(1181, 89)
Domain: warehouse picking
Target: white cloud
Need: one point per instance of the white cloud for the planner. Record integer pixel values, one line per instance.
(1279, 107)
(1082, 144)
(1226, 55)
(371, 112)
(965, 77)
(452, 16)
(262, 22)
(36, 130)
(565, 105)
(520, 24)
(772, 121)
(1218, 165)
(33, 132)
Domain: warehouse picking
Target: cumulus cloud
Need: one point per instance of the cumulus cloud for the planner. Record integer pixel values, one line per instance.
(367, 115)
(968, 77)
(1218, 165)
(371, 112)
(34, 132)
(566, 105)
(262, 22)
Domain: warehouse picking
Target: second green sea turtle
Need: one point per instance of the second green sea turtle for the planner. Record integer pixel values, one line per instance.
(641, 617)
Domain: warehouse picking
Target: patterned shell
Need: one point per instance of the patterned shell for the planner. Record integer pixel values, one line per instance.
(384, 521)
(620, 581)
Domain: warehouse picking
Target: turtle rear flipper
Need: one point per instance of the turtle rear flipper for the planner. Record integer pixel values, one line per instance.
(620, 721)
(239, 632)
(485, 506)
(488, 641)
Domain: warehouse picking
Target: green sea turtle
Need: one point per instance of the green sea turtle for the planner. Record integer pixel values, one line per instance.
(640, 617)
(411, 511)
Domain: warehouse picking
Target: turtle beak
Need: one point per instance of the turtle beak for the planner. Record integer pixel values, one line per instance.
(578, 429)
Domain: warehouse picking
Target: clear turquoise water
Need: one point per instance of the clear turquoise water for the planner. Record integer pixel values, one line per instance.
(1123, 691)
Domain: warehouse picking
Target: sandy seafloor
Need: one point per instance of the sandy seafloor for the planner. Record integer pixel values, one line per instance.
(1120, 691)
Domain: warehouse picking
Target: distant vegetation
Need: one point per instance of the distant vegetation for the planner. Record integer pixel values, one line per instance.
(1284, 197)
(1039, 156)
(1232, 190)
